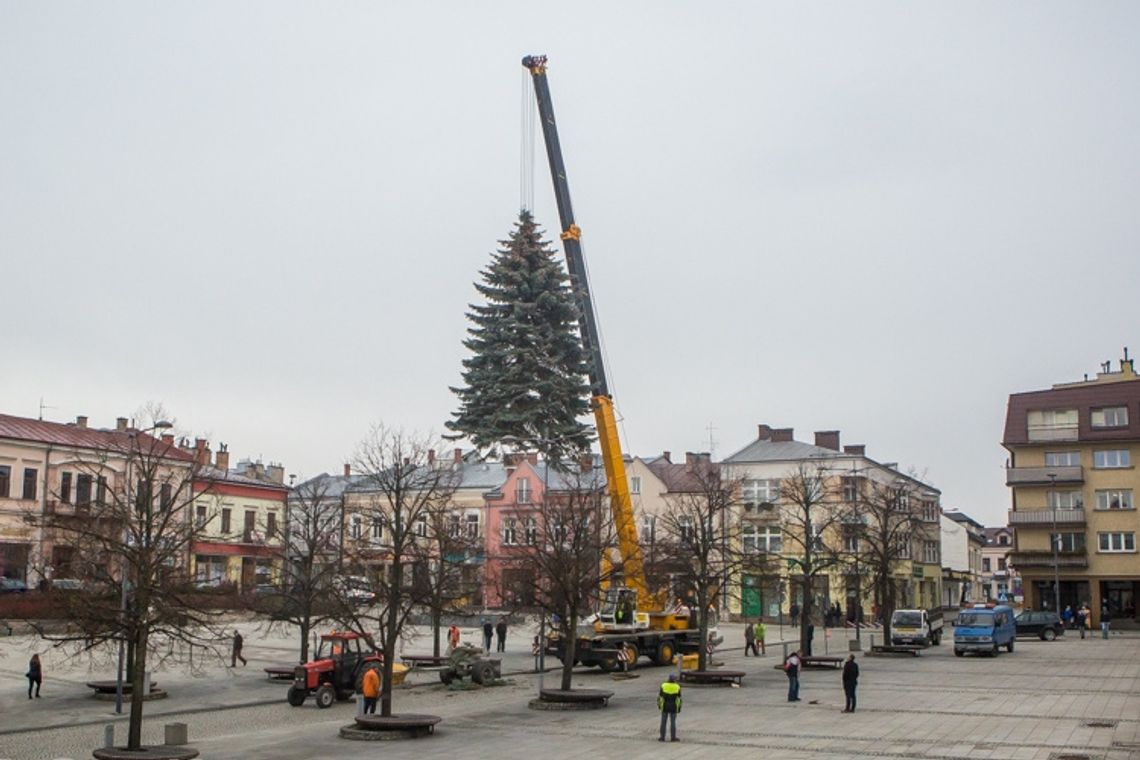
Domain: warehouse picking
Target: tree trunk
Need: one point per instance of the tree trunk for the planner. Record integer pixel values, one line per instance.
(569, 650)
(306, 626)
(138, 689)
(436, 622)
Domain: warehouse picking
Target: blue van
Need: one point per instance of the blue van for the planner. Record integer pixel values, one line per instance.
(984, 628)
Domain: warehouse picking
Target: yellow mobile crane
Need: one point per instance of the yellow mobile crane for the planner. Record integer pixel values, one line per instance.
(633, 621)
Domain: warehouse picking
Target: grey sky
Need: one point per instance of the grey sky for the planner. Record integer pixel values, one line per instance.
(876, 217)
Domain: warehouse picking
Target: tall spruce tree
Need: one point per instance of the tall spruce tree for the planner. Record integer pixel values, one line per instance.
(525, 380)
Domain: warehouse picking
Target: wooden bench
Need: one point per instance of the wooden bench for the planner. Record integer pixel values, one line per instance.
(280, 672)
(910, 649)
(822, 661)
(424, 661)
(712, 676)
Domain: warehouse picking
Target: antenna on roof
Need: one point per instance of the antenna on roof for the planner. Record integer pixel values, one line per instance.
(45, 406)
(712, 441)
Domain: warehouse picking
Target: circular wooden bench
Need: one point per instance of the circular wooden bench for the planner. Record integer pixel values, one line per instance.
(280, 672)
(107, 691)
(711, 677)
(390, 727)
(160, 752)
(571, 699)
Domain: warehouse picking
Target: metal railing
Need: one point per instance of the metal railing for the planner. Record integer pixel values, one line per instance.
(1047, 517)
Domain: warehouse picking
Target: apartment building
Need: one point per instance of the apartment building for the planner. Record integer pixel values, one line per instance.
(1072, 477)
(963, 540)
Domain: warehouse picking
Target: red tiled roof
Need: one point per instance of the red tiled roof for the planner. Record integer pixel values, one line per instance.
(58, 434)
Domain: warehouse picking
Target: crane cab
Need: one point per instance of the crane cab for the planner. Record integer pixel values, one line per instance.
(619, 612)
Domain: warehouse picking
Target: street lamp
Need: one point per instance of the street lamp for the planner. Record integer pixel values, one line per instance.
(132, 436)
(1055, 539)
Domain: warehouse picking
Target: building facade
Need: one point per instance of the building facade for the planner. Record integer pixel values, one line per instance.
(1072, 477)
(999, 578)
(963, 539)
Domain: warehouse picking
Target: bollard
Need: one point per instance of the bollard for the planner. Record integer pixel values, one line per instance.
(359, 705)
(109, 735)
(176, 733)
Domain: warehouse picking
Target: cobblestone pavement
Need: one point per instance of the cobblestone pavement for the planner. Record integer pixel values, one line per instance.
(1063, 699)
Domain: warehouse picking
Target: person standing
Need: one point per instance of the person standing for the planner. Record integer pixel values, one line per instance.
(1105, 620)
(488, 632)
(810, 635)
(850, 681)
(761, 631)
(794, 613)
(452, 638)
(1083, 618)
(1067, 616)
(235, 650)
(750, 639)
(370, 689)
(35, 675)
(792, 670)
(669, 703)
(501, 635)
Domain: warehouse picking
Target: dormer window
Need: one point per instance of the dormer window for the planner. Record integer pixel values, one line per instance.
(522, 491)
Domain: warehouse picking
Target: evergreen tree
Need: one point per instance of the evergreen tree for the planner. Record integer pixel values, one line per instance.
(525, 378)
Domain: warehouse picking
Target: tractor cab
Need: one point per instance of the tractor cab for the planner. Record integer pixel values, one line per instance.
(333, 674)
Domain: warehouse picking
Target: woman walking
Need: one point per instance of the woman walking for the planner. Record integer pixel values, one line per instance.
(35, 675)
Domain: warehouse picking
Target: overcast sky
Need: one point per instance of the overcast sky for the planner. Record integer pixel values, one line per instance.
(881, 218)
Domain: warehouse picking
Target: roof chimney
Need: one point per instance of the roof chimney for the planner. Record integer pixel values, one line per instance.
(666, 455)
(121, 424)
(765, 432)
(276, 473)
(586, 462)
(168, 439)
(222, 459)
(827, 439)
(783, 435)
(858, 449)
(457, 456)
(201, 453)
(532, 457)
(81, 421)
(690, 458)
(347, 469)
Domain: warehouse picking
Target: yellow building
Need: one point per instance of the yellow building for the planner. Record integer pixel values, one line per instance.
(1072, 455)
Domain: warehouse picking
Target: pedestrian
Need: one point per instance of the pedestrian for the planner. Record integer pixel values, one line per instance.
(488, 632)
(1083, 615)
(794, 612)
(669, 703)
(452, 638)
(235, 651)
(35, 675)
(370, 688)
(761, 632)
(1067, 616)
(501, 635)
(750, 639)
(1105, 620)
(792, 671)
(850, 681)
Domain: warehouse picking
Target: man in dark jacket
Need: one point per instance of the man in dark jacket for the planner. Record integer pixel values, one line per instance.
(501, 635)
(792, 671)
(850, 680)
(488, 632)
(669, 703)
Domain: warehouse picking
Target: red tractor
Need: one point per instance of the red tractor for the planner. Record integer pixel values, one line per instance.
(336, 670)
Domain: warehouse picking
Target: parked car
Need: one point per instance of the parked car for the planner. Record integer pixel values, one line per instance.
(12, 586)
(355, 589)
(1045, 625)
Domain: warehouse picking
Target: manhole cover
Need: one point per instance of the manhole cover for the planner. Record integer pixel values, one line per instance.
(1100, 724)
(1071, 756)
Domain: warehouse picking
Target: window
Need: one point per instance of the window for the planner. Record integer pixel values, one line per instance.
(760, 491)
(510, 527)
(770, 540)
(271, 524)
(850, 488)
(1062, 458)
(635, 484)
(1068, 542)
(101, 490)
(902, 548)
(1110, 417)
(748, 539)
(1065, 500)
(250, 522)
(522, 491)
(355, 526)
(420, 528)
(1109, 458)
(1052, 425)
(473, 525)
(1003, 540)
(5, 480)
(685, 528)
(200, 515)
(226, 523)
(850, 540)
(165, 496)
(930, 511)
(648, 529)
(29, 483)
(930, 553)
(902, 503)
(985, 564)
(1117, 542)
(1114, 499)
(816, 538)
(64, 487)
(558, 532)
(1001, 564)
(377, 530)
(453, 525)
(530, 531)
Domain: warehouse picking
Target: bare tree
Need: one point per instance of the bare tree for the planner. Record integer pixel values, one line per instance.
(129, 520)
(443, 560)
(812, 526)
(400, 489)
(888, 522)
(701, 538)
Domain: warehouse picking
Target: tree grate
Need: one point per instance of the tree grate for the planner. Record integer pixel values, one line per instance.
(1099, 724)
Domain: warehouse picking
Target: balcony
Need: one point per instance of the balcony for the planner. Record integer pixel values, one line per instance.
(1039, 559)
(1039, 476)
(1053, 432)
(1044, 518)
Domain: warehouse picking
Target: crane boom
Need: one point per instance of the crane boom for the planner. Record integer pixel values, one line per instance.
(621, 505)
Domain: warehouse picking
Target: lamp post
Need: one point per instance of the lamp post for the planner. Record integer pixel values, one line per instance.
(1055, 539)
(132, 436)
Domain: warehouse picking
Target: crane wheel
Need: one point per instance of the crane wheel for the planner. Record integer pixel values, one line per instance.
(665, 653)
(632, 655)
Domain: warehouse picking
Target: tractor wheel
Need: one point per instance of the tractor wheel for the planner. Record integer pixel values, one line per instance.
(326, 695)
(665, 653)
(608, 663)
(631, 655)
(483, 673)
(446, 676)
(297, 696)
